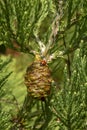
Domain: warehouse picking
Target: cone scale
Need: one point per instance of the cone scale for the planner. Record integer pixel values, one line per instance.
(38, 79)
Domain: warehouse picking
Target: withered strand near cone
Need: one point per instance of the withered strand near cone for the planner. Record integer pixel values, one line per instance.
(38, 80)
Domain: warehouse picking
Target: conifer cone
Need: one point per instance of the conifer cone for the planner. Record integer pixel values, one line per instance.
(38, 79)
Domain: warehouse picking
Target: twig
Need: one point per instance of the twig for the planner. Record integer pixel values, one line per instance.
(68, 60)
(41, 45)
(55, 28)
(16, 102)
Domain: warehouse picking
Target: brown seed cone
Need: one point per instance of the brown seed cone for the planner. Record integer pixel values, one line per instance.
(38, 80)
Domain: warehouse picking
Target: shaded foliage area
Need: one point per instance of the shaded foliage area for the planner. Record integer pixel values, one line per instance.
(57, 30)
